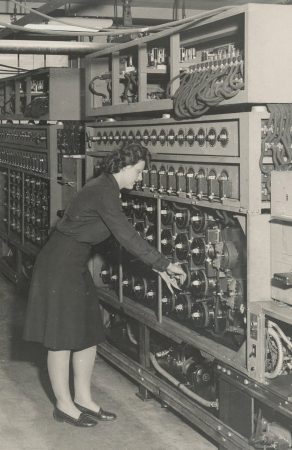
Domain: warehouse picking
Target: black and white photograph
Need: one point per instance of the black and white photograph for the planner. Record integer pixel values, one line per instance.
(145, 225)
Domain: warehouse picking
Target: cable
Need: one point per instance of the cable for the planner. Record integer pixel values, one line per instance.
(277, 141)
(52, 33)
(277, 370)
(92, 88)
(202, 88)
(14, 67)
(180, 386)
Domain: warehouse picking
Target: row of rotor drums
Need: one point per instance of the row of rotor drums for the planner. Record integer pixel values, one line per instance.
(170, 214)
(210, 184)
(179, 246)
(201, 137)
(186, 305)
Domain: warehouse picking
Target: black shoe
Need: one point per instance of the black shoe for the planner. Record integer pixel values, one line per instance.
(100, 415)
(82, 421)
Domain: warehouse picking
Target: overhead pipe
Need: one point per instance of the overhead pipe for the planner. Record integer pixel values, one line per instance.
(51, 47)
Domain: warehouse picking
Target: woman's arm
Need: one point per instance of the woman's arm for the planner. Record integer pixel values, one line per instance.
(110, 210)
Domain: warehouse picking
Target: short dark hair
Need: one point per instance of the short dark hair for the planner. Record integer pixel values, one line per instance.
(128, 155)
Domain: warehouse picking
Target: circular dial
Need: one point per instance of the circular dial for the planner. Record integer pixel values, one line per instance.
(114, 278)
(166, 242)
(180, 137)
(182, 218)
(200, 316)
(223, 137)
(199, 283)
(139, 287)
(127, 283)
(111, 137)
(150, 235)
(104, 137)
(117, 137)
(131, 137)
(138, 136)
(167, 214)
(183, 306)
(201, 137)
(198, 220)
(153, 137)
(150, 298)
(211, 137)
(198, 251)
(127, 206)
(150, 210)
(146, 137)
(171, 137)
(98, 138)
(124, 137)
(181, 245)
(162, 137)
(190, 137)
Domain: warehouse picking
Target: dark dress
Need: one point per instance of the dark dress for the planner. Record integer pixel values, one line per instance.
(63, 311)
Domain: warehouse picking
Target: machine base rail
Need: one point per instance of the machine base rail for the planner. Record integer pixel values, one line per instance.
(225, 436)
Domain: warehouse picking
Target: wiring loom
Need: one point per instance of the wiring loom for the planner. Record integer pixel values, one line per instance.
(201, 89)
(277, 140)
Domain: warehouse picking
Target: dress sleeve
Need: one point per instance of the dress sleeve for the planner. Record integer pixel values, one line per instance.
(110, 210)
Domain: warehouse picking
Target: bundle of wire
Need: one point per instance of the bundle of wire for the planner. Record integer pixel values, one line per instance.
(201, 89)
(278, 140)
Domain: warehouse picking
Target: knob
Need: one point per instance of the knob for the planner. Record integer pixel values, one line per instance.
(190, 137)
(180, 137)
(211, 137)
(201, 137)
(171, 137)
(223, 137)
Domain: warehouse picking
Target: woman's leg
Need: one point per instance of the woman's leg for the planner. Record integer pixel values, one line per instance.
(58, 368)
(83, 362)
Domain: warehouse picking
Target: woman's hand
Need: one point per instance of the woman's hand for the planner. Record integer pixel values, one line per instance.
(175, 271)
(172, 275)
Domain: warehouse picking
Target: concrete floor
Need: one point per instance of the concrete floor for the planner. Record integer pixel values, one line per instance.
(26, 421)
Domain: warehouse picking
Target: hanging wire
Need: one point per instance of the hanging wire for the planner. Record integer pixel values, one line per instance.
(110, 31)
(14, 68)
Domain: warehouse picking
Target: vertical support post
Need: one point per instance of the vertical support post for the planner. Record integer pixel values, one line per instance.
(142, 73)
(144, 357)
(174, 61)
(115, 78)
(17, 96)
(158, 230)
(120, 275)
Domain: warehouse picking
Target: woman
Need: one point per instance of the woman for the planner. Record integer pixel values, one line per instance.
(63, 312)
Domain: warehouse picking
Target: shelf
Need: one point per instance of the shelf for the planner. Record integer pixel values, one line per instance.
(153, 71)
(58, 86)
(171, 329)
(132, 108)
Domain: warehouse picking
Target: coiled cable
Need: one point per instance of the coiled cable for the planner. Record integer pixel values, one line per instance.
(277, 142)
(202, 88)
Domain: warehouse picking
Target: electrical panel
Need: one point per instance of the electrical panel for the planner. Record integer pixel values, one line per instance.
(212, 104)
(220, 58)
(43, 94)
(38, 176)
(205, 203)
